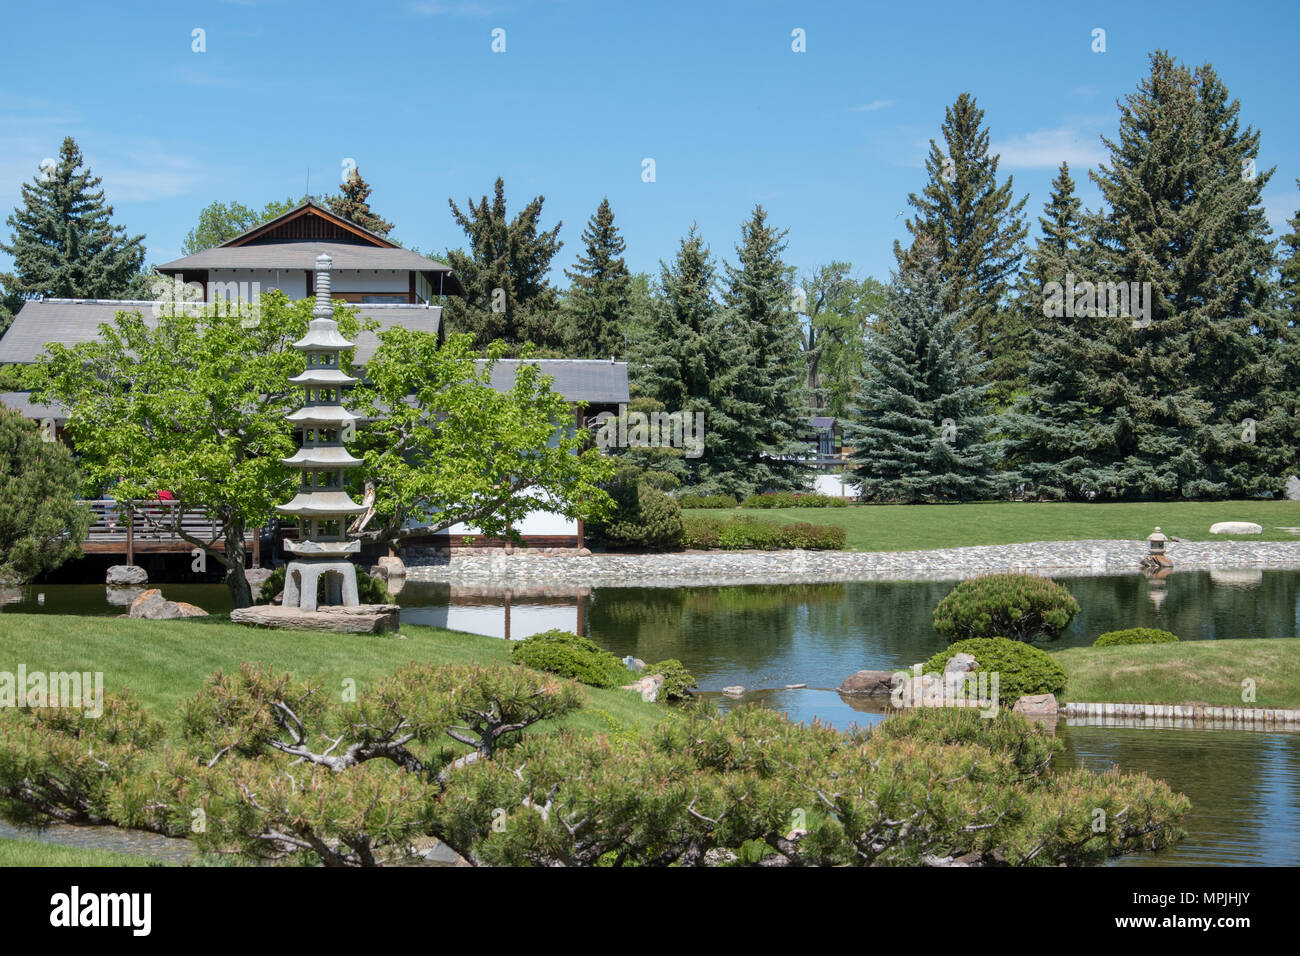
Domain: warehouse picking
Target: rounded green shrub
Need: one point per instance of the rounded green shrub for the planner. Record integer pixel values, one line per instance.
(370, 590)
(1021, 668)
(565, 654)
(1135, 635)
(1018, 606)
(643, 517)
(678, 681)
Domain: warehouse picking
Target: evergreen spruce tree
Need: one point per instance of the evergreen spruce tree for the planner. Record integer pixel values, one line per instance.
(64, 243)
(673, 353)
(1064, 425)
(920, 423)
(507, 294)
(1287, 389)
(1182, 212)
(599, 298)
(761, 375)
(976, 229)
(353, 206)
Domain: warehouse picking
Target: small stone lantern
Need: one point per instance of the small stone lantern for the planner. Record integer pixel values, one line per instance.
(1155, 558)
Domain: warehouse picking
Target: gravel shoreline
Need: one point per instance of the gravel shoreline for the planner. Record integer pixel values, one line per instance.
(710, 568)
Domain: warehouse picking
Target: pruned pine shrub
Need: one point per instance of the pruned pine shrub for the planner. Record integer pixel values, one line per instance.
(1135, 635)
(565, 654)
(1016, 606)
(678, 681)
(1021, 668)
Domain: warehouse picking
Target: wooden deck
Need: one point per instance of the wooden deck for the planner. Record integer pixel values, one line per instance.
(150, 527)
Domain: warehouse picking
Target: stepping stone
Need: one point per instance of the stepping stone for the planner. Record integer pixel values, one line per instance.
(356, 619)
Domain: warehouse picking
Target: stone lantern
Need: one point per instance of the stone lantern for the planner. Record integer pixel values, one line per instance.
(1155, 559)
(322, 505)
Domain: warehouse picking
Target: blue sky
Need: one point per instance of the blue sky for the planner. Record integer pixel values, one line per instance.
(831, 140)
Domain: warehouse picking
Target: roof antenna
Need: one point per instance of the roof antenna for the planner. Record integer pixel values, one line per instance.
(307, 192)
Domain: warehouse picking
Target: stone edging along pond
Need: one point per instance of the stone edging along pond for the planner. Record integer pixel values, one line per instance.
(705, 568)
(1181, 715)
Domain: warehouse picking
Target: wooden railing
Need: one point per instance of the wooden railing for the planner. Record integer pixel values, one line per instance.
(152, 525)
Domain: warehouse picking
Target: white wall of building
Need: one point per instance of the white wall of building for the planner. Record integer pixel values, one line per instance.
(370, 280)
(292, 282)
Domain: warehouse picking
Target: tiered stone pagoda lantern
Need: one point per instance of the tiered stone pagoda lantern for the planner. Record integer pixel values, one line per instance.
(322, 505)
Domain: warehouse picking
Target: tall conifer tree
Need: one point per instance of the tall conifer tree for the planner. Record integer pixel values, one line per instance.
(976, 229)
(920, 425)
(762, 378)
(64, 243)
(353, 205)
(599, 298)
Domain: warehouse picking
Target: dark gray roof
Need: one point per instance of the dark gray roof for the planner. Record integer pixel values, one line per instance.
(822, 421)
(71, 321)
(22, 402)
(302, 255)
(593, 380)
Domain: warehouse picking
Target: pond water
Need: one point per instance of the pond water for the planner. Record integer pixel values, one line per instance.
(1244, 785)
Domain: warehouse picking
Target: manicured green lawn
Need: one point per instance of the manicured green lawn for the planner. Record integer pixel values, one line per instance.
(921, 527)
(1190, 672)
(165, 661)
(36, 853)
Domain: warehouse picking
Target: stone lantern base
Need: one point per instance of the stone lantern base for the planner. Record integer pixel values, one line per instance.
(301, 577)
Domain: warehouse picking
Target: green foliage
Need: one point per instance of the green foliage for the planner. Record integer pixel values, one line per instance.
(444, 447)
(513, 256)
(839, 314)
(707, 501)
(1135, 635)
(565, 654)
(678, 681)
(220, 222)
(1021, 668)
(920, 425)
(703, 533)
(599, 299)
(642, 517)
(370, 589)
(41, 523)
(1019, 606)
(64, 242)
(792, 499)
(974, 228)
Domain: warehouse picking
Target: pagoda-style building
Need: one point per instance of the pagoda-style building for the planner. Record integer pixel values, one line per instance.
(322, 505)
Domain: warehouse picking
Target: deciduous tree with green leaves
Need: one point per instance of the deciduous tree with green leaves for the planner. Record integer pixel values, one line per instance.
(220, 222)
(443, 447)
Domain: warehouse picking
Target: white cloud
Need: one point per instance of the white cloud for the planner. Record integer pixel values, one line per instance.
(435, 8)
(872, 106)
(1048, 148)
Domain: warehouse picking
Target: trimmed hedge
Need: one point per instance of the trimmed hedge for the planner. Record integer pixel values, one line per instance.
(793, 499)
(1021, 668)
(706, 533)
(706, 501)
(701, 532)
(1135, 635)
(565, 654)
(1018, 606)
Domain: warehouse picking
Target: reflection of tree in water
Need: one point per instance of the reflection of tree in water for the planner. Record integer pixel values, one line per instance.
(1196, 606)
(1243, 786)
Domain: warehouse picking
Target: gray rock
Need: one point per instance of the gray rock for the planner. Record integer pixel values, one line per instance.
(868, 684)
(151, 605)
(256, 577)
(734, 691)
(647, 687)
(1036, 705)
(1293, 489)
(393, 567)
(1236, 527)
(358, 619)
(120, 575)
(633, 663)
(960, 664)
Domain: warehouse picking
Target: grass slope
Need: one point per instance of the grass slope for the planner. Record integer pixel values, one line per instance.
(922, 527)
(1190, 672)
(162, 662)
(36, 853)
